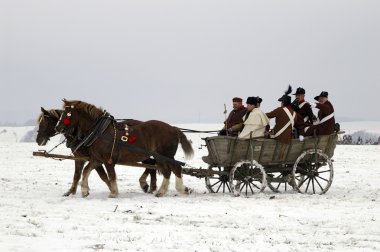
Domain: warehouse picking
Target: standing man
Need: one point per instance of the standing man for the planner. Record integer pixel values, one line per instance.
(234, 122)
(302, 107)
(325, 124)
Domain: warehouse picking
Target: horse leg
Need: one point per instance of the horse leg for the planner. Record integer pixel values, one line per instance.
(103, 175)
(86, 173)
(153, 180)
(77, 173)
(112, 177)
(142, 180)
(164, 185)
(179, 186)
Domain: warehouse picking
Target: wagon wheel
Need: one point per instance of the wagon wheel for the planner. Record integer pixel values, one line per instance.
(278, 181)
(248, 178)
(312, 173)
(217, 182)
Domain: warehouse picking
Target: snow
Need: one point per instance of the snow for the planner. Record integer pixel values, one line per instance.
(35, 216)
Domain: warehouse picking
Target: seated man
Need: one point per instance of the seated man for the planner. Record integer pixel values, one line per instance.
(302, 107)
(255, 121)
(234, 122)
(325, 123)
(286, 119)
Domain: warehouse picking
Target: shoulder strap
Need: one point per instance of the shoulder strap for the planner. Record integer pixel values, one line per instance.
(290, 122)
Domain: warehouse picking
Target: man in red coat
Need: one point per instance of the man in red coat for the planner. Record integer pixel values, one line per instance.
(234, 122)
(325, 123)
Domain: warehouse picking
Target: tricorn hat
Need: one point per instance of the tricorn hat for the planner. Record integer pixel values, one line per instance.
(237, 99)
(286, 99)
(254, 100)
(323, 94)
(299, 91)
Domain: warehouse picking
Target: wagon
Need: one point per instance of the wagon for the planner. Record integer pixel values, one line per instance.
(249, 165)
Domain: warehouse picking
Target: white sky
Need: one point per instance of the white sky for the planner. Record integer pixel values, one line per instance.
(180, 61)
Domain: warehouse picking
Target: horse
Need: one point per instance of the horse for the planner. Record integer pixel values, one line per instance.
(109, 143)
(46, 129)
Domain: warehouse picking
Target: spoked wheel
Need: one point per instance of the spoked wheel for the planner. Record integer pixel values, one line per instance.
(247, 178)
(218, 182)
(312, 173)
(278, 181)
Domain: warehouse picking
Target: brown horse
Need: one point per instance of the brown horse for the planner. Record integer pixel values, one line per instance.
(46, 129)
(102, 138)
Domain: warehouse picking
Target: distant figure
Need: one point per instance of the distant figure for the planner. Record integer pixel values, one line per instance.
(234, 122)
(255, 121)
(303, 107)
(325, 124)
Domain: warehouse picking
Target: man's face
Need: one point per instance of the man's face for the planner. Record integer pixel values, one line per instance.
(300, 97)
(322, 99)
(236, 105)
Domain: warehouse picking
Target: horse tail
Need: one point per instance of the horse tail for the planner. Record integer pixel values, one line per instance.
(186, 145)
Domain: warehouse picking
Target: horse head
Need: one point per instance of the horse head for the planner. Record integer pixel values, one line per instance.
(46, 125)
(75, 115)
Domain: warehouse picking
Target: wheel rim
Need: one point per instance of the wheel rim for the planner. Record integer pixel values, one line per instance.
(217, 183)
(312, 173)
(247, 178)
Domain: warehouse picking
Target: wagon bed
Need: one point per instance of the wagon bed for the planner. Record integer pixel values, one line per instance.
(251, 164)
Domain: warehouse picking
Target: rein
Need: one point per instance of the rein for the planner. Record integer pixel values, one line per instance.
(198, 131)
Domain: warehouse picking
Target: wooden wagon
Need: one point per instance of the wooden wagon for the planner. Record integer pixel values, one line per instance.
(248, 165)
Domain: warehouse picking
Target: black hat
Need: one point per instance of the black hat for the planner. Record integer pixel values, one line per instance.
(286, 99)
(254, 100)
(323, 94)
(299, 91)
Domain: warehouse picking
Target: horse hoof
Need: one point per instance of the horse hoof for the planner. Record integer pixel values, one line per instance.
(145, 188)
(152, 189)
(84, 195)
(112, 195)
(188, 190)
(66, 194)
(159, 194)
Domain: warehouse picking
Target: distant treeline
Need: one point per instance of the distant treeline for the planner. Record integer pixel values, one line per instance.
(360, 138)
(31, 122)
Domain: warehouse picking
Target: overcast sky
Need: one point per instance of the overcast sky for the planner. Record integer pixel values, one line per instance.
(180, 61)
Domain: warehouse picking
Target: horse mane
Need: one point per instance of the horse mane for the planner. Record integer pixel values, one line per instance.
(54, 112)
(90, 109)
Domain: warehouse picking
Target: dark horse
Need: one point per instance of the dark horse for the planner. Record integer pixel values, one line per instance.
(102, 138)
(46, 129)
(46, 123)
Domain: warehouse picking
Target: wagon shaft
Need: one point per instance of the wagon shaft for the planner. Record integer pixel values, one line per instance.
(201, 173)
(62, 157)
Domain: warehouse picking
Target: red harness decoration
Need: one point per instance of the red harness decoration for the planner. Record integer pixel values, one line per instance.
(66, 121)
(127, 137)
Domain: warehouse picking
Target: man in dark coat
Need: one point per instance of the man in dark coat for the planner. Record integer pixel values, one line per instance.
(325, 123)
(234, 122)
(303, 107)
(286, 119)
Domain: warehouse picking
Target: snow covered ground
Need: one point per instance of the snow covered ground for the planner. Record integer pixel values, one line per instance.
(35, 217)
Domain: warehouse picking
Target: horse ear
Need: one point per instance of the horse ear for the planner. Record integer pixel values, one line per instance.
(44, 111)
